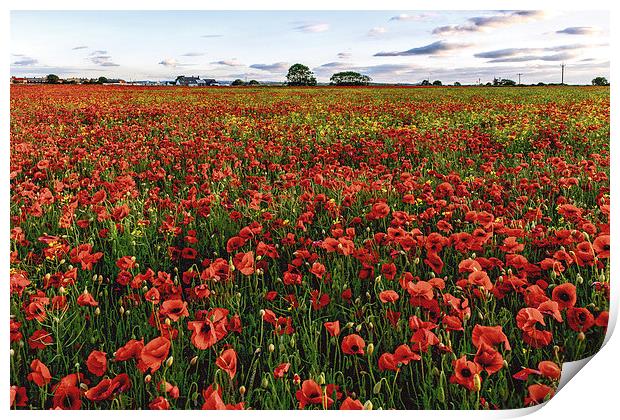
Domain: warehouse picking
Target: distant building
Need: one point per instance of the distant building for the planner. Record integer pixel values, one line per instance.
(194, 81)
(76, 80)
(36, 80)
(18, 80)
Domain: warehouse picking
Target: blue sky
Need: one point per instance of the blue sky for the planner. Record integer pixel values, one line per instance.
(389, 46)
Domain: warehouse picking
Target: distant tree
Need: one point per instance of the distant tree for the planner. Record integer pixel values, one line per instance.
(300, 75)
(52, 78)
(540, 84)
(457, 83)
(489, 83)
(507, 82)
(437, 83)
(253, 83)
(102, 80)
(600, 81)
(349, 78)
(237, 82)
(425, 83)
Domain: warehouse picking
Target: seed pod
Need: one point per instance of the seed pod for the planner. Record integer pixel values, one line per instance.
(581, 336)
(358, 328)
(370, 349)
(377, 388)
(368, 405)
(242, 390)
(477, 382)
(321, 379)
(97, 311)
(169, 361)
(193, 361)
(272, 348)
(441, 395)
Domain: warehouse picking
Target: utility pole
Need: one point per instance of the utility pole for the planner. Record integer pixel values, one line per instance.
(562, 65)
(519, 75)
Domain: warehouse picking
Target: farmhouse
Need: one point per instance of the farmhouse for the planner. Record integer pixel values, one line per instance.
(194, 81)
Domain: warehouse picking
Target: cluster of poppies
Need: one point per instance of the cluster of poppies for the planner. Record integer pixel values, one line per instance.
(326, 248)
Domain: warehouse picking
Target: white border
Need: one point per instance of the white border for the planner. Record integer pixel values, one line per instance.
(592, 393)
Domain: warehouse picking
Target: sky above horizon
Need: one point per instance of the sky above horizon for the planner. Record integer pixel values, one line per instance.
(389, 46)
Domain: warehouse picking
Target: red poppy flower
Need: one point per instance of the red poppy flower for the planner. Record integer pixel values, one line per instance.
(40, 374)
(538, 393)
(464, 373)
(601, 246)
(403, 354)
(493, 336)
(40, 339)
(333, 328)
(579, 319)
(351, 404)
(311, 393)
(489, 359)
(174, 309)
(159, 403)
(97, 362)
(18, 396)
(67, 397)
(387, 361)
(565, 295)
(353, 344)
(86, 299)
(227, 361)
(102, 391)
(131, 350)
(388, 296)
(281, 370)
(154, 353)
(204, 335)
(549, 369)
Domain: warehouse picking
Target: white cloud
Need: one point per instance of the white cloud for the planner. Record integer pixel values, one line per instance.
(377, 31)
(169, 62)
(312, 27)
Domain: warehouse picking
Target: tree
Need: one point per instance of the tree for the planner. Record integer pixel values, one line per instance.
(425, 83)
(349, 78)
(457, 83)
(52, 78)
(102, 80)
(507, 82)
(253, 83)
(237, 82)
(437, 83)
(300, 75)
(600, 81)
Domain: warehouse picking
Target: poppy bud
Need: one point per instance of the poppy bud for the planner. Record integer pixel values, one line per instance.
(416, 261)
(257, 351)
(262, 313)
(505, 364)
(121, 310)
(358, 300)
(169, 361)
(292, 342)
(377, 388)
(477, 383)
(378, 279)
(94, 278)
(349, 325)
(579, 279)
(370, 349)
(127, 312)
(12, 352)
(100, 278)
(193, 361)
(63, 261)
(358, 328)
(296, 379)
(265, 382)
(242, 390)
(321, 380)
(168, 322)
(97, 311)
(83, 387)
(581, 336)
(368, 405)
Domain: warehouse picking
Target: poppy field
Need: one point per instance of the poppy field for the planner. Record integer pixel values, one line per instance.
(305, 248)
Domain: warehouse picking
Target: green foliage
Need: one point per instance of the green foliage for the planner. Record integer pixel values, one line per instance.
(349, 78)
(300, 75)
